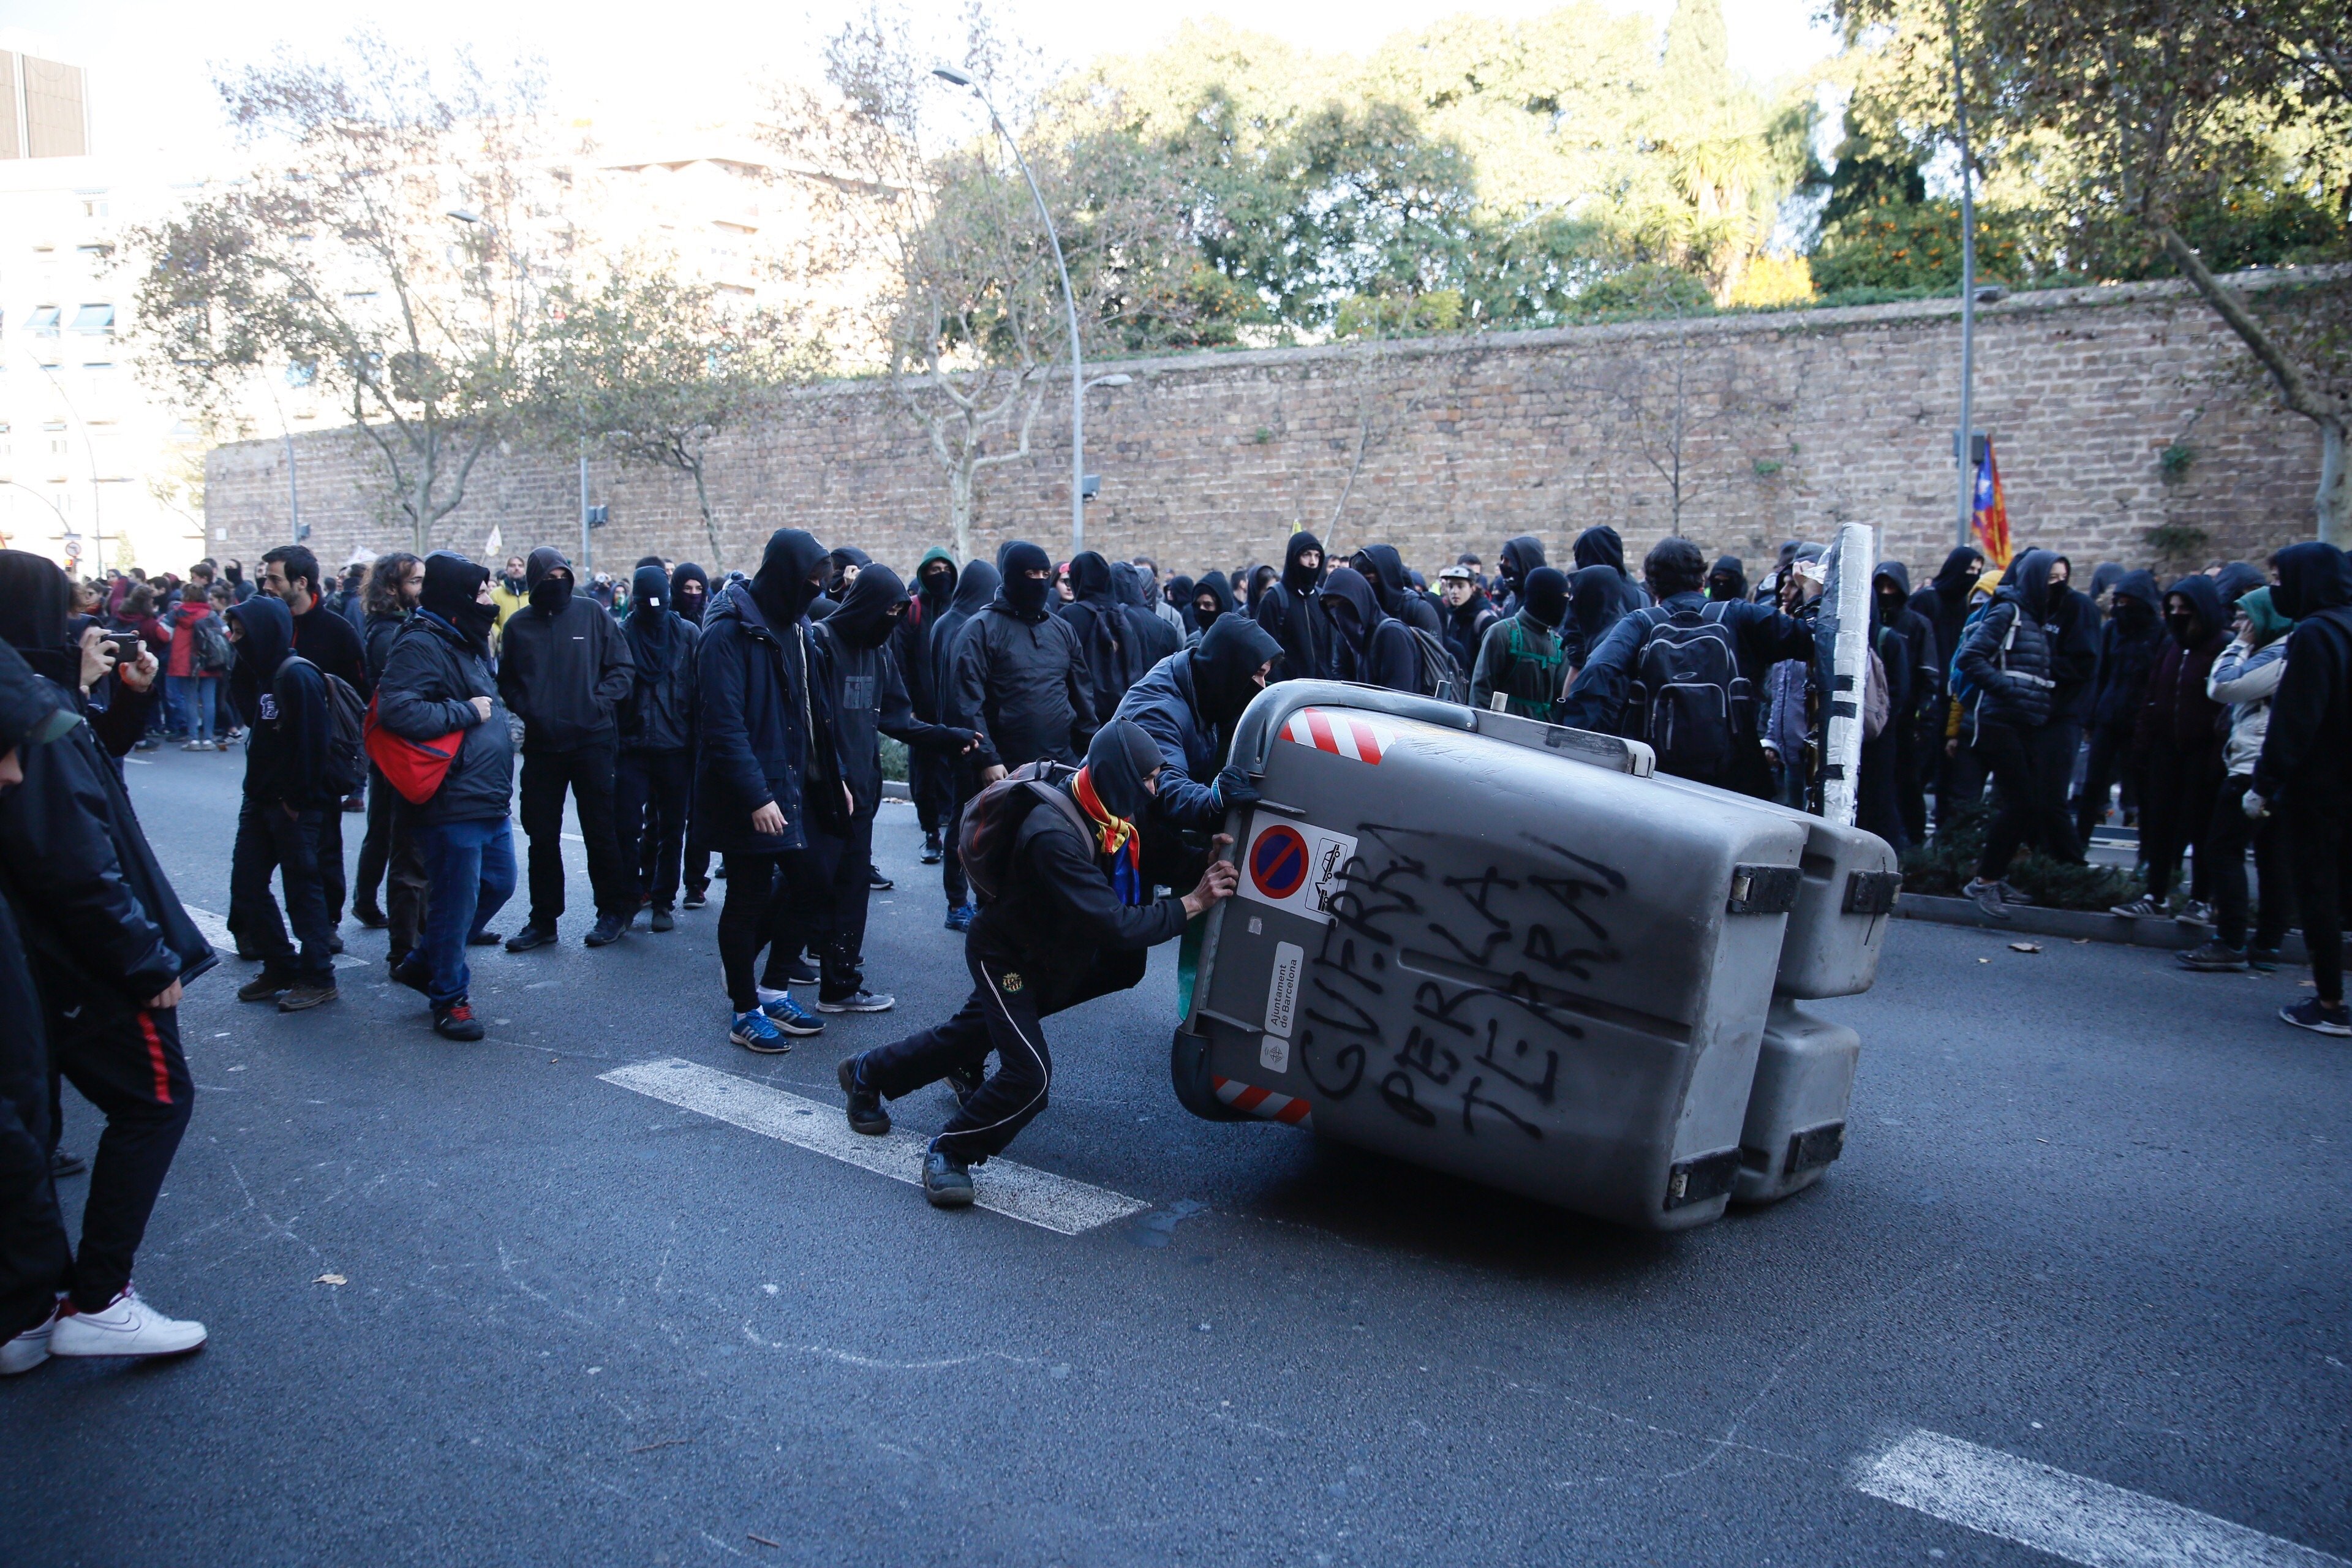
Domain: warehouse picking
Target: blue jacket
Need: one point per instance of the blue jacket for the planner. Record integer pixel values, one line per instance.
(1164, 705)
(755, 707)
(431, 676)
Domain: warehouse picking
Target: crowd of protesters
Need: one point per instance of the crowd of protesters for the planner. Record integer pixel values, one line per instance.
(1067, 729)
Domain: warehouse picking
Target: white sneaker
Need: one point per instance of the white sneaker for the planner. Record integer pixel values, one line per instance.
(128, 1326)
(28, 1349)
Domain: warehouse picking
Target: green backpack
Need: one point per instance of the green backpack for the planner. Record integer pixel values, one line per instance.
(1532, 689)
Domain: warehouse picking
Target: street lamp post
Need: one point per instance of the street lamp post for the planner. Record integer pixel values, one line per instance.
(951, 75)
(1964, 445)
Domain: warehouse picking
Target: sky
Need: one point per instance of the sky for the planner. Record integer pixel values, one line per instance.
(152, 62)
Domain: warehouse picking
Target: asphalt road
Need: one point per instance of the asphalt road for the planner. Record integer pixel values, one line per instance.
(2093, 1213)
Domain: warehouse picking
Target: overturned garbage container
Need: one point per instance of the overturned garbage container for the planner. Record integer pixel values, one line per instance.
(1480, 943)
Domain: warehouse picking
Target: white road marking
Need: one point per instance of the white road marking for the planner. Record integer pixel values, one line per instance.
(1038, 1197)
(2068, 1516)
(215, 928)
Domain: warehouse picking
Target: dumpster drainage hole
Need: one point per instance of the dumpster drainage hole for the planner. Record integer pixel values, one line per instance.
(1157, 1228)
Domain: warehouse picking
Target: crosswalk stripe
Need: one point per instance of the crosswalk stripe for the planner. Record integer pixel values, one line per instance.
(2068, 1516)
(215, 928)
(1018, 1191)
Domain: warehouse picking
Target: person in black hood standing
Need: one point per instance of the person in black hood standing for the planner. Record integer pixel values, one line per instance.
(769, 776)
(1915, 740)
(1728, 578)
(1021, 678)
(1074, 919)
(1369, 646)
(2178, 741)
(437, 691)
(930, 778)
(286, 796)
(2306, 767)
(2129, 643)
(1521, 663)
(1600, 546)
(1383, 568)
(95, 963)
(689, 591)
(869, 700)
(1152, 638)
(1520, 556)
(1113, 658)
(564, 670)
(975, 588)
(1211, 602)
(654, 775)
(1292, 609)
(2006, 661)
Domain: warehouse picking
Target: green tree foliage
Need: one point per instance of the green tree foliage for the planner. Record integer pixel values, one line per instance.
(1910, 246)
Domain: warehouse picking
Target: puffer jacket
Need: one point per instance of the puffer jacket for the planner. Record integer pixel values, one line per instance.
(2247, 678)
(431, 678)
(2005, 656)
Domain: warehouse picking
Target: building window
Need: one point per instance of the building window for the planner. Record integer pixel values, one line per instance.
(43, 321)
(95, 319)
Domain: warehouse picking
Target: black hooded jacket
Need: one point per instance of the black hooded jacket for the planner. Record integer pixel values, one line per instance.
(1519, 556)
(563, 671)
(1464, 626)
(1153, 635)
(1106, 641)
(101, 917)
(765, 730)
(1371, 647)
(689, 606)
(285, 698)
(1393, 587)
(1945, 601)
(975, 588)
(2177, 717)
(1923, 655)
(911, 640)
(435, 670)
(658, 714)
(869, 695)
(2307, 754)
(1021, 678)
(1189, 703)
(1292, 609)
(2006, 656)
(2129, 643)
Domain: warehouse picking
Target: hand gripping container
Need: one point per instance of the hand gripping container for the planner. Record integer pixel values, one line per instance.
(1455, 944)
(1804, 1073)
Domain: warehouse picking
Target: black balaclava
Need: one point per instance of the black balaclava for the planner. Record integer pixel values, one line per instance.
(976, 584)
(2312, 577)
(1023, 594)
(1354, 609)
(1959, 573)
(1600, 547)
(452, 584)
(1890, 590)
(937, 587)
(2027, 581)
(1119, 759)
(1180, 593)
(233, 572)
(1386, 575)
(1298, 578)
(689, 591)
(550, 595)
(2238, 577)
(1213, 587)
(1546, 596)
(1090, 581)
(2104, 578)
(865, 619)
(1520, 556)
(790, 572)
(1728, 578)
(1226, 666)
(2205, 617)
(2137, 603)
(649, 621)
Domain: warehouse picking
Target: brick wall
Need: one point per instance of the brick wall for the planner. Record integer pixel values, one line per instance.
(1771, 426)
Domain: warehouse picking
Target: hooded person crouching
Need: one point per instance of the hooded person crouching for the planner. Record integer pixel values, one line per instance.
(1074, 919)
(436, 683)
(869, 699)
(286, 797)
(769, 777)
(1189, 703)
(564, 670)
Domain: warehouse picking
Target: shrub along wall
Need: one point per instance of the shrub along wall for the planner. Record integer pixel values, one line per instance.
(1737, 431)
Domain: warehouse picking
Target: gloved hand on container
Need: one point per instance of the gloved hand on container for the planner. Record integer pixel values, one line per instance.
(1233, 789)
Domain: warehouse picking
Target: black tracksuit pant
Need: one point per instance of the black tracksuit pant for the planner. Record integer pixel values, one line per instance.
(2110, 762)
(2317, 840)
(768, 895)
(930, 781)
(2055, 746)
(2224, 846)
(269, 840)
(952, 877)
(126, 1061)
(649, 795)
(35, 1259)
(334, 883)
(389, 858)
(841, 953)
(588, 773)
(2026, 806)
(1008, 999)
(2175, 811)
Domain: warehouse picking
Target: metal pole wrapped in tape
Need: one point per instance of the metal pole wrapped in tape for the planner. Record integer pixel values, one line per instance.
(1846, 619)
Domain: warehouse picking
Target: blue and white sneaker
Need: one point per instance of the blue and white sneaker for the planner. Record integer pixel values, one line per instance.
(960, 916)
(754, 1032)
(791, 1017)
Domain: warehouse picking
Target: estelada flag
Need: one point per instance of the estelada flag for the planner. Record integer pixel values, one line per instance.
(1992, 510)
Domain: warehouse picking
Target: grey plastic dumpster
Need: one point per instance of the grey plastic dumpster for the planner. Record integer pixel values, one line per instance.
(1804, 1073)
(1455, 944)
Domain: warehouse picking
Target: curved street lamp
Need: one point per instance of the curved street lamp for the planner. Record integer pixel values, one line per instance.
(1078, 384)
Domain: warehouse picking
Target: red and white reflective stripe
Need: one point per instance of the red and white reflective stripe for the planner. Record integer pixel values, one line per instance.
(1341, 734)
(1288, 1109)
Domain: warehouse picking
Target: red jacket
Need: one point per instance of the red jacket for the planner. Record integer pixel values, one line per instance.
(185, 615)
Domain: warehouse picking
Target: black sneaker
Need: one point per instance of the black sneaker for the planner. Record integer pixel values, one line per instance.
(964, 1082)
(335, 942)
(607, 930)
(865, 1112)
(2213, 958)
(266, 986)
(876, 881)
(307, 994)
(369, 917)
(946, 1181)
(663, 920)
(456, 1022)
(528, 938)
(62, 1164)
(2263, 960)
(800, 972)
(2310, 1013)
(932, 852)
(696, 897)
(481, 939)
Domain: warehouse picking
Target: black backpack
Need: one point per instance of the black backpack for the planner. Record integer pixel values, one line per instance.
(1689, 700)
(346, 731)
(1440, 674)
(211, 651)
(992, 819)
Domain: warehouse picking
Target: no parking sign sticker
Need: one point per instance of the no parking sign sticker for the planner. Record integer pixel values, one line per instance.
(1294, 866)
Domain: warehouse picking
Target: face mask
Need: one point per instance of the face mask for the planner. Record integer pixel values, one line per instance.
(1027, 595)
(552, 595)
